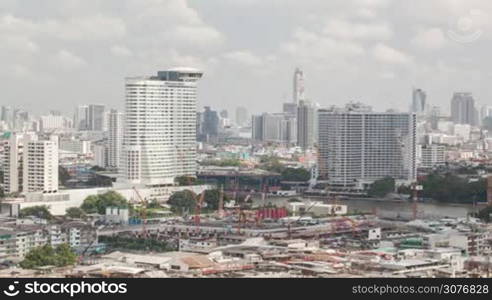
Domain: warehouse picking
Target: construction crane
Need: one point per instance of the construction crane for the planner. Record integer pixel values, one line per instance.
(143, 202)
(415, 189)
(289, 232)
(198, 208)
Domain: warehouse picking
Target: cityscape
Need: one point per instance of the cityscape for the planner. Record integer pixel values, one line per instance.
(164, 182)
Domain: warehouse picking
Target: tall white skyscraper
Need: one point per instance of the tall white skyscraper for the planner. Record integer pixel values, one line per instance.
(358, 146)
(298, 86)
(159, 142)
(115, 138)
(81, 117)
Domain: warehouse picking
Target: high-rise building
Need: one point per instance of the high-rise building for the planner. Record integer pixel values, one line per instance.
(485, 111)
(306, 124)
(463, 109)
(418, 101)
(358, 146)
(81, 117)
(210, 126)
(96, 117)
(242, 116)
(298, 86)
(30, 165)
(159, 142)
(432, 155)
(115, 138)
(274, 127)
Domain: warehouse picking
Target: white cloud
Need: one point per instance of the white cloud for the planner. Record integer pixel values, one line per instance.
(389, 55)
(432, 38)
(344, 29)
(243, 57)
(121, 51)
(70, 61)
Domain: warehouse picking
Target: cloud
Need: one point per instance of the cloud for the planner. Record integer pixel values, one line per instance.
(432, 39)
(389, 55)
(70, 61)
(243, 57)
(344, 29)
(121, 51)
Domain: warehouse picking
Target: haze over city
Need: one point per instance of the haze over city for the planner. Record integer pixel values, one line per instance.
(74, 52)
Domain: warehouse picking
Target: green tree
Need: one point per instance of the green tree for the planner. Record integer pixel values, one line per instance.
(45, 255)
(212, 198)
(451, 188)
(182, 201)
(75, 213)
(63, 175)
(98, 203)
(381, 187)
(295, 174)
(272, 164)
(39, 211)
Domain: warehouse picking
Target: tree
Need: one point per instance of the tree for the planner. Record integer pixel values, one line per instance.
(63, 175)
(75, 213)
(451, 188)
(212, 198)
(45, 255)
(272, 164)
(382, 187)
(182, 201)
(98, 203)
(295, 174)
(39, 211)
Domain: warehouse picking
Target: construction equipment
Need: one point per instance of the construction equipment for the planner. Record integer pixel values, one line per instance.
(143, 202)
(198, 208)
(415, 189)
(221, 202)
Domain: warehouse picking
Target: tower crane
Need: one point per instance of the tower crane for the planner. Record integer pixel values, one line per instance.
(143, 201)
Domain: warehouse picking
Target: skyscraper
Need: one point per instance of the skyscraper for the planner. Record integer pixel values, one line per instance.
(159, 143)
(358, 146)
(418, 101)
(96, 117)
(463, 109)
(306, 124)
(115, 138)
(210, 126)
(298, 86)
(81, 117)
(274, 127)
(242, 116)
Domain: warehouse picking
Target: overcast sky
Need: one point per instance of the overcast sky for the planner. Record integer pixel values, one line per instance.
(55, 54)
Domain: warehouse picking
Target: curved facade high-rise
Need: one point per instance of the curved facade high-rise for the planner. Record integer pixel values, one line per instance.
(159, 141)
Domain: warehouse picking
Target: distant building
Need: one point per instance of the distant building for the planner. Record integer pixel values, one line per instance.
(275, 127)
(463, 110)
(242, 116)
(358, 146)
(81, 117)
(115, 138)
(96, 117)
(210, 125)
(432, 156)
(418, 101)
(306, 124)
(298, 86)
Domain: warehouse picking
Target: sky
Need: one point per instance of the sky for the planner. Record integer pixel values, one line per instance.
(56, 54)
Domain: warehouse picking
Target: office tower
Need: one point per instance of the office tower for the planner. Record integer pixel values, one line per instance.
(306, 124)
(434, 117)
(485, 111)
(358, 146)
(115, 138)
(242, 116)
(274, 127)
(101, 155)
(81, 117)
(463, 109)
(210, 126)
(418, 101)
(30, 165)
(159, 142)
(96, 117)
(52, 122)
(298, 86)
